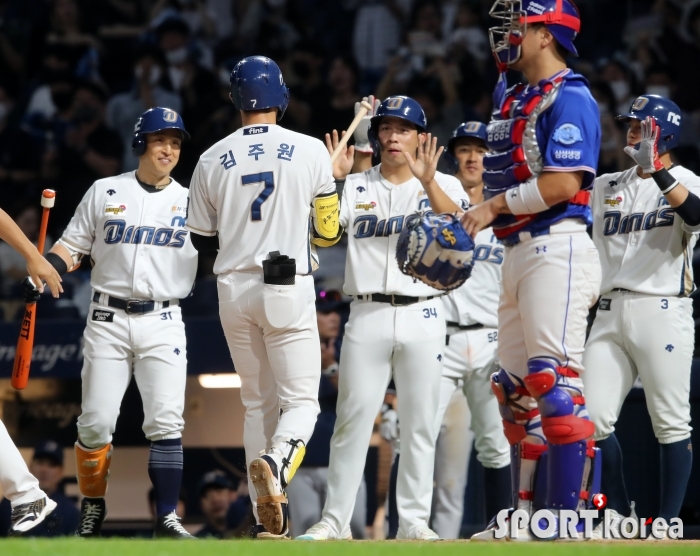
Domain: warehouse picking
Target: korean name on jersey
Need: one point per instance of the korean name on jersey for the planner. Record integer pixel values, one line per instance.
(372, 212)
(644, 246)
(137, 240)
(256, 188)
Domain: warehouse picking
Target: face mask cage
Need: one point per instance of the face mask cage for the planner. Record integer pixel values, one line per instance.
(507, 37)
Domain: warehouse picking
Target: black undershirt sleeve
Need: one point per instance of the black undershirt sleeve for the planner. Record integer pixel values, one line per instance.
(689, 210)
(205, 244)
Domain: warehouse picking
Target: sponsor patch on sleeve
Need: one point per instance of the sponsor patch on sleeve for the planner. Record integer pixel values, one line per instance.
(567, 134)
(100, 315)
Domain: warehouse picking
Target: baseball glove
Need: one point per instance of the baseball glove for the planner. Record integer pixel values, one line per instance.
(435, 249)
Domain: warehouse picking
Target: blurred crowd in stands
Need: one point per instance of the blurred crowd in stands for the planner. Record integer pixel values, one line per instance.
(75, 75)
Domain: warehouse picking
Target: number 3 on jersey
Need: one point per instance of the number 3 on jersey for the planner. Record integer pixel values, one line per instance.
(267, 178)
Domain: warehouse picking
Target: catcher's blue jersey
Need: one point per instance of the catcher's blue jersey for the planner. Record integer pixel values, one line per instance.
(566, 124)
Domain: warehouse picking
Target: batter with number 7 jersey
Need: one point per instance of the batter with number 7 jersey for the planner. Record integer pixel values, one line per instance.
(645, 224)
(250, 198)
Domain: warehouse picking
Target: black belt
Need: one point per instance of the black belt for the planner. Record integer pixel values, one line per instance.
(476, 326)
(130, 306)
(395, 300)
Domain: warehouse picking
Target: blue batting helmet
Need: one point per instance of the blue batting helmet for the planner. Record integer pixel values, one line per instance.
(399, 107)
(152, 120)
(560, 16)
(664, 111)
(257, 83)
(475, 130)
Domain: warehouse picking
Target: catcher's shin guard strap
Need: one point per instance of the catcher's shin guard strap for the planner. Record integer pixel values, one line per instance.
(93, 470)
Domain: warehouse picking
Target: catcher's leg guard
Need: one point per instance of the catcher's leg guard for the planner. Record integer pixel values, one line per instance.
(558, 391)
(93, 469)
(523, 430)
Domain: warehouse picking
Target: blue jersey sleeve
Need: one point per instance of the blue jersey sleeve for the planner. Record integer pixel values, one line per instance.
(569, 134)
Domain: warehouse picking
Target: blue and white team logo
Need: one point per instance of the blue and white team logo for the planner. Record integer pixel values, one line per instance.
(567, 134)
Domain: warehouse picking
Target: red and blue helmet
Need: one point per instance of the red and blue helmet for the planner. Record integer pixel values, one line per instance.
(666, 113)
(475, 130)
(399, 107)
(257, 84)
(560, 16)
(153, 120)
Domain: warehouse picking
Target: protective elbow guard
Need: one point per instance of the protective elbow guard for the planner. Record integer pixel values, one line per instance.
(325, 216)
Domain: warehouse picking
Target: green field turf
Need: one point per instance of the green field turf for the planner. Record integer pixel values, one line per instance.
(107, 547)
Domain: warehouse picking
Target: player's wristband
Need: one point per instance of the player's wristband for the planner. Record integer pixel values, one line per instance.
(665, 181)
(526, 198)
(57, 262)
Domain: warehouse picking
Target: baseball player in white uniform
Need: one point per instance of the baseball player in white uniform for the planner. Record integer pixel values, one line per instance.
(396, 325)
(645, 224)
(256, 189)
(30, 505)
(132, 227)
(471, 312)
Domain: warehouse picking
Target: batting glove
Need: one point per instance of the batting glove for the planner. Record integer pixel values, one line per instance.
(646, 153)
(360, 134)
(389, 427)
(29, 291)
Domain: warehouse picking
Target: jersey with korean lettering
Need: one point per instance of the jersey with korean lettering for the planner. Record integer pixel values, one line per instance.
(372, 212)
(644, 245)
(255, 188)
(551, 127)
(136, 239)
(476, 301)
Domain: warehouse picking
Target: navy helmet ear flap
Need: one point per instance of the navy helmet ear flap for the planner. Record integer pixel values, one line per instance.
(138, 145)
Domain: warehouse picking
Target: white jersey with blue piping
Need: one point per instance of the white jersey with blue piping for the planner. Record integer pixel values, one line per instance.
(644, 245)
(551, 127)
(255, 188)
(373, 211)
(137, 240)
(476, 301)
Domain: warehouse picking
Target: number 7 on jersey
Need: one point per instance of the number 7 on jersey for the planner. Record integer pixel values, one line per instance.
(268, 178)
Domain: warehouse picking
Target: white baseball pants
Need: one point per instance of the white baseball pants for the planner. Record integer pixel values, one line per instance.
(272, 334)
(381, 340)
(153, 348)
(647, 336)
(470, 360)
(19, 486)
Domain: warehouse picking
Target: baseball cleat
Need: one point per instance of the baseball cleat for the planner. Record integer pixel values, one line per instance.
(27, 516)
(169, 527)
(259, 532)
(271, 500)
(92, 514)
(322, 532)
(418, 533)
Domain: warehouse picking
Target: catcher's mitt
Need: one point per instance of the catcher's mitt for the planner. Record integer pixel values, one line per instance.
(435, 249)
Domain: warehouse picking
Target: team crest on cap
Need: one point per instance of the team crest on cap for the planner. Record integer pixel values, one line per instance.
(640, 103)
(169, 116)
(394, 103)
(472, 127)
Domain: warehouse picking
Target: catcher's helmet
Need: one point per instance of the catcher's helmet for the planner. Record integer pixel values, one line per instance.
(152, 120)
(257, 83)
(560, 16)
(475, 130)
(399, 107)
(664, 111)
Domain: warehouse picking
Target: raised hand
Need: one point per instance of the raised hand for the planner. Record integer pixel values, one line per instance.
(343, 164)
(646, 154)
(362, 144)
(425, 165)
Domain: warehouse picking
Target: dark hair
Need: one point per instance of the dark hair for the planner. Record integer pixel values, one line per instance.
(563, 52)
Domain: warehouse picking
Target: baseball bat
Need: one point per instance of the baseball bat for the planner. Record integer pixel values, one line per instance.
(364, 108)
(25, 342)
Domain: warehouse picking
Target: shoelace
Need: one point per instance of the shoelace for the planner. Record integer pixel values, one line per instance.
(92, 512)
(23, 510)
(173, 522)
